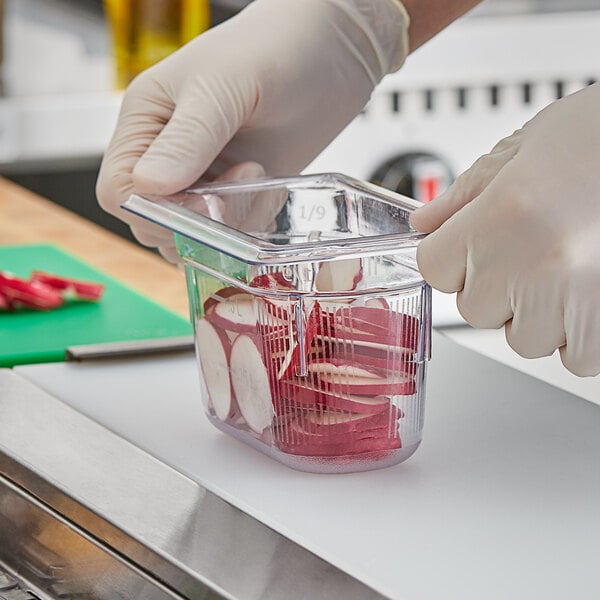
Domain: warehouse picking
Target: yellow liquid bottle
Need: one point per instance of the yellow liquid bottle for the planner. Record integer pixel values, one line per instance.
(146, 31)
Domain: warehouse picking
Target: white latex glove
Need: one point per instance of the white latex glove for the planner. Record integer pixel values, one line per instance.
(518, 236)
(274, 85)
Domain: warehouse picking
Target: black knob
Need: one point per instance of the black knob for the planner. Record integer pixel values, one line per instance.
(419, 175)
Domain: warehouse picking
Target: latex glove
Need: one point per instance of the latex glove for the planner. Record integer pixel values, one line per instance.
(274, 85)
(518, 236)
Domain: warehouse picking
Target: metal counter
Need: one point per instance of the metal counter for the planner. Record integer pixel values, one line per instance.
(85, 514)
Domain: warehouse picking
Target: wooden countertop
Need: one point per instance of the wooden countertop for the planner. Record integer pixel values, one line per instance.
(26, 217)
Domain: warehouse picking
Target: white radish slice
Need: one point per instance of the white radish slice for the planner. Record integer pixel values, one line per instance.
(396, 328)
(330, 421)
(376, 302)
(307, 396)
(239, 313)
(339, 276)
(364, 341)
(250, 381)
(293, 357)
(338, 449)
(220, 296)
(298, 435)
(342, 369)
(367, 386)
(213, 353)
(331, 306)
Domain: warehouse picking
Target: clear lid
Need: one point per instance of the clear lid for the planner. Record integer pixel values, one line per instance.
(275, 221)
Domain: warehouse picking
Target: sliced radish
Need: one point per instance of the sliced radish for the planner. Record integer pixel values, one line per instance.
(280, 310)
(4, 302)
(327, 421)
(363, 335)
(339, 276)
(30, 294)
(272, 281)
(364, 344)
(251, 384)
(337, 443)
(390, 362)
(344, 368)
(341, 449)
(376, 302)
(296, 433)
(396, 328)
(71, 288)
(307, 396)
(331, 306)
(220, 296)
(393, 384)
(238, 313)
(213, 349)
(292, 360)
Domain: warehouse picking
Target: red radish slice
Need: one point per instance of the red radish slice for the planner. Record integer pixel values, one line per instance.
(238, 313)
(292, 360)
(30, 294)
(72, 288)
(219, 296)
(251, 383)
(351, 330)
(392, 385)
(339, 276)
(331, 306)
(376, 302)
(294, 432)
(307, 396)
(4, 302)
(391, 362)
(213, 348)
(280, 309)
(272, 281)
(364, 344)
(343, 369)
(398, 328)
(328, 421)
(341, 449)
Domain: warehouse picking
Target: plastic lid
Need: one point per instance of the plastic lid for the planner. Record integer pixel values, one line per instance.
(275, 221)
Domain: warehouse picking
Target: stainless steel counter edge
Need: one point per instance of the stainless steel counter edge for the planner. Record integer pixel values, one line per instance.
(166, 525)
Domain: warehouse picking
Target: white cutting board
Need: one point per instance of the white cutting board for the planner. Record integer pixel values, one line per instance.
(500, 502)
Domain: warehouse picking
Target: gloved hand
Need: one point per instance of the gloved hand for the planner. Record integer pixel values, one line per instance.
(274, 85)
(518, 236)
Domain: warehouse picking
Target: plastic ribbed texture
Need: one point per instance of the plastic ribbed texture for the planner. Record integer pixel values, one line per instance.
(313, 329)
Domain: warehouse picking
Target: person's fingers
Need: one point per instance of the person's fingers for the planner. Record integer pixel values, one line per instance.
(442, 255)
(226, 210)
(468, 186)
(205, 119)
(169, 252)
(143, 115)
(241, 172)
(537, 327)
(150, 235)
(484, 301)
(205, 204)
(581, 353)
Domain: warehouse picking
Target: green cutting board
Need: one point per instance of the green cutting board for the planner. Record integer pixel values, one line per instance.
(28, 336)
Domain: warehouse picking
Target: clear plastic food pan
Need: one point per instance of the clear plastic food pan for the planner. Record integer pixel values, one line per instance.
(312, 322)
